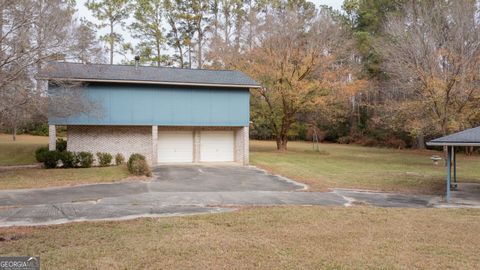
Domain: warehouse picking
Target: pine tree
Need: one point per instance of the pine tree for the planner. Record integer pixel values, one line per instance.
(110, 13)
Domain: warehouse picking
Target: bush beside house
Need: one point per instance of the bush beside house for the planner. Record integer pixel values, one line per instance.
(138, 165)
(84, 159)
(104, 159)
(119, 159)
(61, 158)
(40, 153)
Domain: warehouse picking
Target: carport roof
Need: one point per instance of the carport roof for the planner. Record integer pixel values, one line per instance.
(469, 137)
(145, 75)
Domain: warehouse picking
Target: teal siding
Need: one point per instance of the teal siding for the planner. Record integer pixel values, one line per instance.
(128, 104)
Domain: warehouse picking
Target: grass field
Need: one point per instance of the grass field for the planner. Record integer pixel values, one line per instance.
(21, 151)
(350, 166)
(40, 178)
(261, 238)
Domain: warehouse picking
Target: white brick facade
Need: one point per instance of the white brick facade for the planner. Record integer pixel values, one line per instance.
(111, 139)
(143, 139)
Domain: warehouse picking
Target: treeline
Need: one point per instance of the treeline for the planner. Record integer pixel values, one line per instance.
(379, 72)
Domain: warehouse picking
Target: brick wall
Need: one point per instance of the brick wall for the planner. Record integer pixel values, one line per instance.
(138, 139)
(242, 145)
(111, 139)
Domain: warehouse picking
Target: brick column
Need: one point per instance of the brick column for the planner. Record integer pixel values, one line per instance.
(196, 146)
(52, 137)
(246, 146)
(154, 145)
(242, 145)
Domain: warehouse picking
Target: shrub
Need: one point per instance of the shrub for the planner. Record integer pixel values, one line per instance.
(84, 159)
(68, 159)
(51, 159)
(133, 157)
(137, 165)
(396, 143)
(104, 159)
(369, 142)
(40, 153)
(119, 159)
(40, 130)
(61, 145)
(344, 140)
(140, 167)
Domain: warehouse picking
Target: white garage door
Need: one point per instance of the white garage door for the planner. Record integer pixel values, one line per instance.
(175, 146)
(216, 146)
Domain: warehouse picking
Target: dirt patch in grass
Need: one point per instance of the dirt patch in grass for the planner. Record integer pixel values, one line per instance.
(350, 166)
(262, 238)
(40, 178)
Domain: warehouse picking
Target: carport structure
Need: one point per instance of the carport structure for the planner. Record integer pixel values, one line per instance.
(469, 137)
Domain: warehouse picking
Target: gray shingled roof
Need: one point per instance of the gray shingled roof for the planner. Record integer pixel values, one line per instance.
(465, 138)
(143, 74)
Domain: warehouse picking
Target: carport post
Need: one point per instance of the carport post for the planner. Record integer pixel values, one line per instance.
(449, 171)
(454, 165)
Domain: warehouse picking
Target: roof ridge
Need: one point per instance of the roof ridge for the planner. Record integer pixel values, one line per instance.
(146, 74)
(153, 67)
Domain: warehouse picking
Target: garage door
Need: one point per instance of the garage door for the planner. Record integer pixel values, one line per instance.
(175, 146)
(216, 146)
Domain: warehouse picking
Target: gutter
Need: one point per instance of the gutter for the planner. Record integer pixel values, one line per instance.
(153, 82)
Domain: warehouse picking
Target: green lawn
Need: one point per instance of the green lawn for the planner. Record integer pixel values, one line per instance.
(21, 151)
(40, 178)
(351, 166)
(261, 238)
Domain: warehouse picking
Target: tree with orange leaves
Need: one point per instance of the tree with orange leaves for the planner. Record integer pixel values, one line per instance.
(297, 64)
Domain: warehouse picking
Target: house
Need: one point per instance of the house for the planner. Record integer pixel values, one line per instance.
(170, 115)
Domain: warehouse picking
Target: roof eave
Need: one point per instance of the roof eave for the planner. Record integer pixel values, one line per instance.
(431, 143)
(151, 82)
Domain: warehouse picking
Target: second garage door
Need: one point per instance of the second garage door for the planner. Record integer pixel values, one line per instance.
(175, 146)
(216, 146)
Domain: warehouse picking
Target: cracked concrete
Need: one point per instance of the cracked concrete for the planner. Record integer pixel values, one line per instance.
(182, 190)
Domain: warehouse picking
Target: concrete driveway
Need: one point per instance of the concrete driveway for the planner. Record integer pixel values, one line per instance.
(179, 190)
(175, 179)
(218, 178)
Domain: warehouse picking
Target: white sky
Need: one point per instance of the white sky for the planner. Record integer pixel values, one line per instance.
(83, 12)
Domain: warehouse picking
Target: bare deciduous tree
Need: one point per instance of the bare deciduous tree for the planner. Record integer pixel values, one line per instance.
(32, 32)
(431, 55)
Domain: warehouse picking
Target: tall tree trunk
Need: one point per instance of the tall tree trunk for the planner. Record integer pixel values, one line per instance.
(215, 20)
(279, 142)
(200, 44)
(282, 141)
(420, 141)
(111, 43)
(14, 131)
(1, 31)
(158, 54)
(469, 150)
(180, 52)
(282, 135)
(189, 56)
